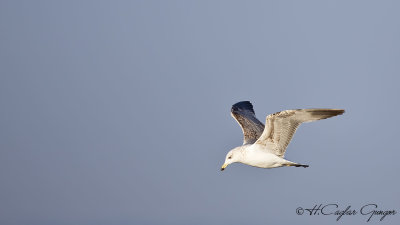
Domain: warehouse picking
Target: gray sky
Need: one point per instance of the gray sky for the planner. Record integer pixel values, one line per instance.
(117, 112)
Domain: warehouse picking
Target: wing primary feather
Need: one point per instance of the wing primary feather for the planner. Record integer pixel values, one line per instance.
(244, 105)
(281, 126)
(252, 128)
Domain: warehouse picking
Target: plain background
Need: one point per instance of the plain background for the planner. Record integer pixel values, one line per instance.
(118, 112)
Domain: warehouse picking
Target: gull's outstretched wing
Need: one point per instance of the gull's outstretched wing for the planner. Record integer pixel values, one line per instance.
(244, 114)
(281, 126)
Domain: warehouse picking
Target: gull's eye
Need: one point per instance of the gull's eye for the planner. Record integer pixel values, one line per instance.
(230, 157)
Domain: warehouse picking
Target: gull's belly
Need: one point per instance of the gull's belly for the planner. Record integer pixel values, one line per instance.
(263, 159)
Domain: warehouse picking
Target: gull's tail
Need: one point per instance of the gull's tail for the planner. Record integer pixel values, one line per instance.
(301, 165)
(296, 164)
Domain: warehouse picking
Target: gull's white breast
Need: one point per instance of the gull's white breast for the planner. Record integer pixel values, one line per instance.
(256, 155)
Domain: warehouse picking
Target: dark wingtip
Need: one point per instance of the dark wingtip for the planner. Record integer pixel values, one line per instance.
(326, 113)
(340, 111)
(243, 105)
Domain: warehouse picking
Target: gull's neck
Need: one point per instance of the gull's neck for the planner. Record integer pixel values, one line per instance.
(243, 151)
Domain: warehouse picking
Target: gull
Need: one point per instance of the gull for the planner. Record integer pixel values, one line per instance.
(265, 146)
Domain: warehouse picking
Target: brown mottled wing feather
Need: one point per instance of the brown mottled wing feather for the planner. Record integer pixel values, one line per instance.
(244, 114)
(281, 126)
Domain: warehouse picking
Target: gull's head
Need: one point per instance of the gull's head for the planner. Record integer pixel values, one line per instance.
(233, 156)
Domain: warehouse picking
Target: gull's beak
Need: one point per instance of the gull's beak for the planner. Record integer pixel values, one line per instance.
(224, 166)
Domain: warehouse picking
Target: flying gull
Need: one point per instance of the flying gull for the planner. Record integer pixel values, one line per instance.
(265, 146)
